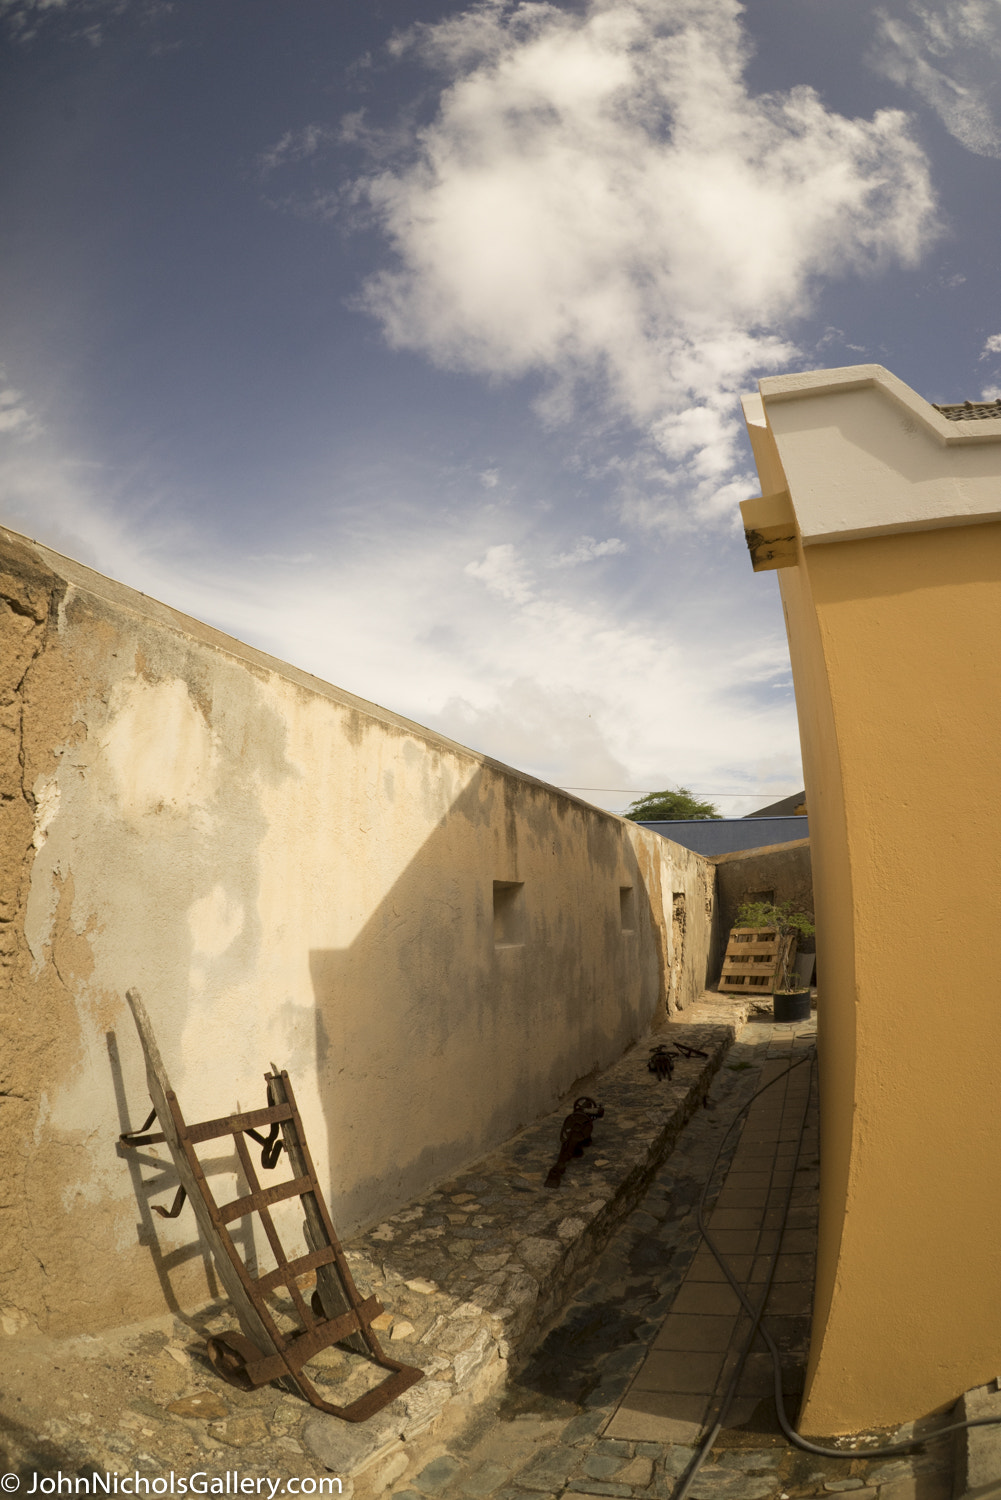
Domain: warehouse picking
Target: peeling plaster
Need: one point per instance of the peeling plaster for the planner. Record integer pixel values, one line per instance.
(47, 797)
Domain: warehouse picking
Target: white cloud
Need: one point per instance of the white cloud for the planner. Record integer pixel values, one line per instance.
(542, 726)
(20, 12)
(600, 200)
(83, 18)
(294, 145)
(949, 55)
(548, 669)
(624, 694)
(991, 345)
(503, 573)
(17, 417)
(587, 549)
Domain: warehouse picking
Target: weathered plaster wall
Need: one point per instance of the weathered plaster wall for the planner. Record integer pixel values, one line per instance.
(285, 873)
(895, 639)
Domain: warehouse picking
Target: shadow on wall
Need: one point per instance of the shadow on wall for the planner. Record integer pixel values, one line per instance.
(147, 1188)
(435, 945)
(519, 949)
(523, 946)
(776, 872)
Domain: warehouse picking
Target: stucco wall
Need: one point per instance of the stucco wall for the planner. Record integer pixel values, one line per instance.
(895, 639)
(285, 873)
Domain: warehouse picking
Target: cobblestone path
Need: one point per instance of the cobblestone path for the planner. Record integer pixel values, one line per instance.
(616, 1396)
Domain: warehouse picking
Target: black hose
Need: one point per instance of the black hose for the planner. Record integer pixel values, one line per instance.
(757, 1327)
(756, 1313)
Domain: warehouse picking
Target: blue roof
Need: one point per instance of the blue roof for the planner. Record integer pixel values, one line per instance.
(726, 835)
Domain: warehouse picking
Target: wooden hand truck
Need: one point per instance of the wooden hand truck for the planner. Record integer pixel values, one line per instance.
(336, 1314)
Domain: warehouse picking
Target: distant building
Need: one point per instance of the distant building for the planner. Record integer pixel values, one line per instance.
(713, 836)
(789, 807)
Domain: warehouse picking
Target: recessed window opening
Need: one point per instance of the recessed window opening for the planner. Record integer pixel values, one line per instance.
(509, 913)
(765, 897)
(627, 908)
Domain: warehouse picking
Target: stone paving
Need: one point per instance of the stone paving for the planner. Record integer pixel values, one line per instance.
(467, 1275)
(766, 1207)
(610, 1400)
(618, 1395)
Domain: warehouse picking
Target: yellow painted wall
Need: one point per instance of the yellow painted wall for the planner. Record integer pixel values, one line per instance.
(895, 637)
(285, 873)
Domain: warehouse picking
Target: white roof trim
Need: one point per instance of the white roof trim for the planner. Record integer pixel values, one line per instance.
(951, 433)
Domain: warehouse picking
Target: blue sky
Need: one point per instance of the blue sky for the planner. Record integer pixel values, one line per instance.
(404, 340)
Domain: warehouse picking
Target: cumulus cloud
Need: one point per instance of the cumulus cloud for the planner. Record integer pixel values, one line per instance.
(949, 55)
(600, 201)
(991, 346)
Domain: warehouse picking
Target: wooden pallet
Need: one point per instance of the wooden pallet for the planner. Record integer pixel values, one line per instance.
(753, 959)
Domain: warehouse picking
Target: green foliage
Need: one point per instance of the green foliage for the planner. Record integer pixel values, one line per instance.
(666, 807)
(767, 914)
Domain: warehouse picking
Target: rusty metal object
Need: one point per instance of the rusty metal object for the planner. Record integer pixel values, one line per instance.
(575, 1135)
(689, 1051)
(662, 1058)
(337, 1313)
(134, 1138)
(661, 1062)
(138, 1137)
(175, 1208)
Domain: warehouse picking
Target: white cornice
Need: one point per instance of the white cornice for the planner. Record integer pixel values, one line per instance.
(861, 454)
(775, 388)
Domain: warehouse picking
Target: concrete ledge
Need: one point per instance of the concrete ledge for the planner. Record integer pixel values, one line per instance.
(978, 1449)
(472, 1273)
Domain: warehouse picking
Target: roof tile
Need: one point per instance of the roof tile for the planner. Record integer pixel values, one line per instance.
(970, 411)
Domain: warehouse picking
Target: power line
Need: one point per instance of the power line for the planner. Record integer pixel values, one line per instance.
(634, 791)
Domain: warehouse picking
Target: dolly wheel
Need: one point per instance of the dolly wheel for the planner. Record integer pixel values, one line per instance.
(230, 1354)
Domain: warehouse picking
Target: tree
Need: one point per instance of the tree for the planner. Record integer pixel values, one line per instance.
(665, 807)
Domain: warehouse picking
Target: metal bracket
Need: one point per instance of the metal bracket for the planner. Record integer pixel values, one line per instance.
(272, 1143)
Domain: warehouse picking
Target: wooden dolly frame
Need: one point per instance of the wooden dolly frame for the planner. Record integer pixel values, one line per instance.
(337, 1314)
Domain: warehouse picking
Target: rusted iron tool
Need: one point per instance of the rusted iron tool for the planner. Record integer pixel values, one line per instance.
(687, 1051)
(575, 1134)
(662, 1058)
(337, 1313)
(661, 1062)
